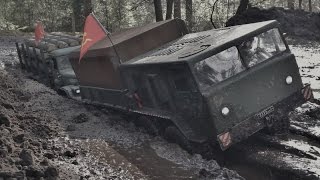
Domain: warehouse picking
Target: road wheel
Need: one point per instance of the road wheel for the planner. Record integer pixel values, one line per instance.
(173, 134)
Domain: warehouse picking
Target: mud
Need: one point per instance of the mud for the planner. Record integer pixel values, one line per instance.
(44, 135)
(297, 23)
(307, 54)
(33, 142)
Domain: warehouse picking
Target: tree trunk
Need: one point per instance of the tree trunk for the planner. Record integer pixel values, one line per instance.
(177, 9)
(243, 6)
(73, 22)
(158, 10)
(169, 9)
(76, 8)
(291, 4)
(87, 8)
(310, 6)
(107, 18)
(189, 16)
(300, 4)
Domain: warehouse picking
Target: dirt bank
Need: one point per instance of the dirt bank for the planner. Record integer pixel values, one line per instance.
(33, 143)
(293, 22)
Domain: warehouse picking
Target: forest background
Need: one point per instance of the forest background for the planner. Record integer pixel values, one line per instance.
(69, 15)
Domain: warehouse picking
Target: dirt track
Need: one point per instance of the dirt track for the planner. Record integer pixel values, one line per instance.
(44, 135)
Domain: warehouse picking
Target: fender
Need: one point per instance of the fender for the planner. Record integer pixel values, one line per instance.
(71, 91)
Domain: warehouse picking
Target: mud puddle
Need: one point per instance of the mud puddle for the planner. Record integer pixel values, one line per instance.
(307, 54)
(146, 159)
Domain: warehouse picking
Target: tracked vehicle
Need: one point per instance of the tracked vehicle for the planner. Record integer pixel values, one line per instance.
(218, 86)
(48, 62)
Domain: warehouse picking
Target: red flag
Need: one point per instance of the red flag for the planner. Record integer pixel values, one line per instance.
(93, 32)
(39, 33)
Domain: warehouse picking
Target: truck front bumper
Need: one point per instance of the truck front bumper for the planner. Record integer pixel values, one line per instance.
(257, 121)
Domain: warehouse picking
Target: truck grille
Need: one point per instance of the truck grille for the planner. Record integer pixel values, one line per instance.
(167, 51)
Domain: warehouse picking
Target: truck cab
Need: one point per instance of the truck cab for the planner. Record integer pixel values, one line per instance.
(218, 86)
(221, 85)
(61, 74)
(51, 67)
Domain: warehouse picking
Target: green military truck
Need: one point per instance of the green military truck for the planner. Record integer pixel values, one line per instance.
(48, 62)
(218, 86)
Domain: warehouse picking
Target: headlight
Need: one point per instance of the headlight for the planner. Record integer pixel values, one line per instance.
(289, 80)
(78, 91)
(225, 111)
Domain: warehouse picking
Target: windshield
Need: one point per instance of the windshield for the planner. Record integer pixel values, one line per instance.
(218, 67)
(229, 62)
(261, 47)
(63, 63)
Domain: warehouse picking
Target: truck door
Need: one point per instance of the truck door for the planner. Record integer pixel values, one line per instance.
(159, 92)
(186, 97)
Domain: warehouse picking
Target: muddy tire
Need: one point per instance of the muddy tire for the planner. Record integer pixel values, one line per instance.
(279, 126)
(173, 134)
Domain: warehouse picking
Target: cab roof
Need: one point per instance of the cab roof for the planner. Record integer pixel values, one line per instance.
(204, 44)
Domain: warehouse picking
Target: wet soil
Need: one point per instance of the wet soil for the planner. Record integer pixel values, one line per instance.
(46, 136)
(296, 23)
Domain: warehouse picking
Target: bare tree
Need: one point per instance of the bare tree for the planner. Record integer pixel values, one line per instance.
(158, 10)
(290, 4)
(300, 4)
(169, 9)
(310, 5)
(177, 9)
(189, 14)
(87, 7)
(76, 8)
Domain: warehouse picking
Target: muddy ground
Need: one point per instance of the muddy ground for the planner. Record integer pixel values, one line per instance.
(46, 136)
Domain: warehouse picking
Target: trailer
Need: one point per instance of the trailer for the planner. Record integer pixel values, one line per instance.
(48, 62)
(218, 86)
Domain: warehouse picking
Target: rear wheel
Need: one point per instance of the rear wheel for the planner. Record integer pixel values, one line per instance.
(173, 134)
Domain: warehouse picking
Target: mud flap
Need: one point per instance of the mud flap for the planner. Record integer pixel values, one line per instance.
(307, 92)
(240, 132)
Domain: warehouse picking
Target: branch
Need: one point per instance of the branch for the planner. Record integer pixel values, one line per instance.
(211, 17)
